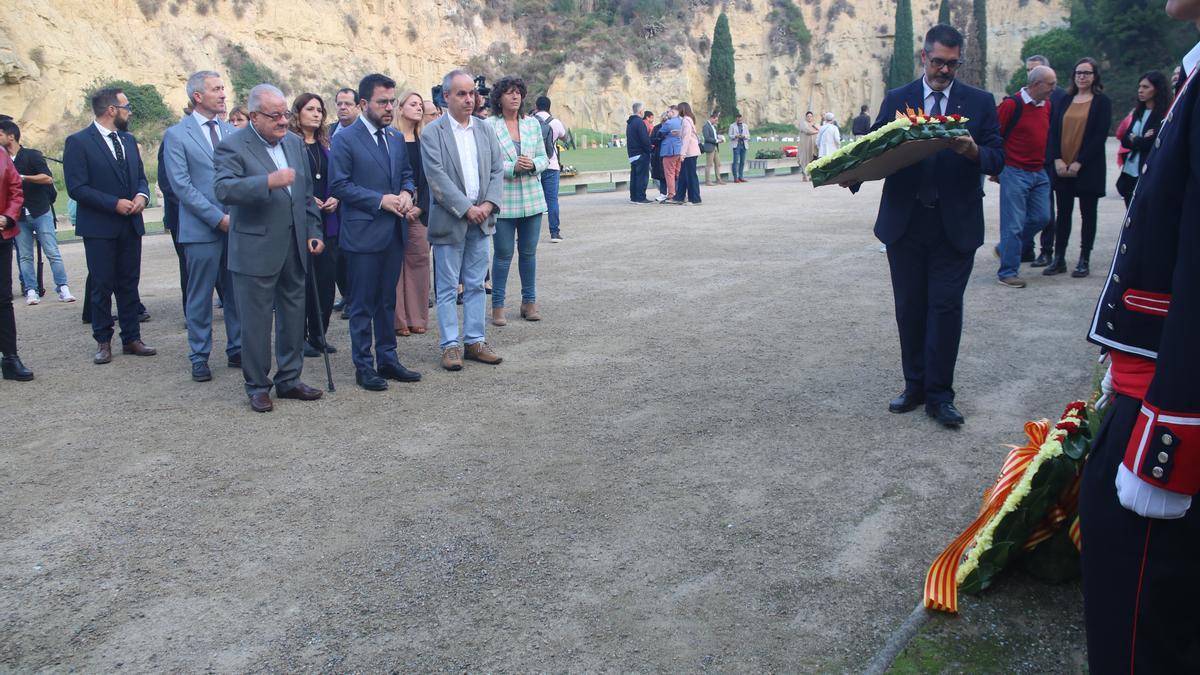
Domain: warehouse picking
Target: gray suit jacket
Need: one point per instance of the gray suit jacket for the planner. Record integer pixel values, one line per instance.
(188, 160)
(263, 223)
(443, 171)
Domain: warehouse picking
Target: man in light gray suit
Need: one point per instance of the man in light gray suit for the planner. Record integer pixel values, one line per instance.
(203, 221)
(263, 175)
(465, 171)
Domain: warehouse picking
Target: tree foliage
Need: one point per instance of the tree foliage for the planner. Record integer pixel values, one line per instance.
(245, 72)
(151, 115)
(901, 71)
(944, 13)
(788, 23)
(1061, 46)
(981, 31)
(722, 86)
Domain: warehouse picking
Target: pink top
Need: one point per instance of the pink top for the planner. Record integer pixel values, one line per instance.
(691, 144)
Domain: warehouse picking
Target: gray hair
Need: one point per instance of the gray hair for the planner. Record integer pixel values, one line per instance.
(1038, 74)
(637, 107)
(195, 83)
(450, 78)
(1040, 59)
(828, 117)
(254, 99)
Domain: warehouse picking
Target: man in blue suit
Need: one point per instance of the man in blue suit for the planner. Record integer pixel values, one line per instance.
(931, 219)
(104, 174)
(370, 175)
(203, 223)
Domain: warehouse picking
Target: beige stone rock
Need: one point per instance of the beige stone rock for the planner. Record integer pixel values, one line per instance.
(320, 45)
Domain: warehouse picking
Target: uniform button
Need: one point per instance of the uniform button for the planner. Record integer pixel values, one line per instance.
(1116, 278)
(1111, 306)
(1145, 168)
(1122, 248)
(1109, 325)
(1157, 472)
(1163, 458)
(1157, 142)
(1167, 439)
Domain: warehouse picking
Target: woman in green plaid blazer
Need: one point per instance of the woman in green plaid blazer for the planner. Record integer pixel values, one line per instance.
(520, 219)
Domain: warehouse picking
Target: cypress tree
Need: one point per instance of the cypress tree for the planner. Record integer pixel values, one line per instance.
(722, 88)
(902, 56)
(981, 30)
(944, 13)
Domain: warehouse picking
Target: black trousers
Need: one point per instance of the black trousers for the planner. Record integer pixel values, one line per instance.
(342, 276)
(325, 268)
(929, 277)
(688, 182)
(114, 267)
(1065, 196)
(1125, 186)
(8, 321)
(1141, 576)
(183, 275)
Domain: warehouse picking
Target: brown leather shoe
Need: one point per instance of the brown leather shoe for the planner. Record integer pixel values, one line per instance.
(301, 392)
(103, 353)
(261, 402)
(529, 312)
(138, 348)
(498, 317)
(452, 359)
(483, 353)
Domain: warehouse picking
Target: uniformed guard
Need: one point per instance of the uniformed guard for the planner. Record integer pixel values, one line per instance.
(1141, 536)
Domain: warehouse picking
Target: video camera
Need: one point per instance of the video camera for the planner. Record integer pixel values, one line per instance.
(439, 96)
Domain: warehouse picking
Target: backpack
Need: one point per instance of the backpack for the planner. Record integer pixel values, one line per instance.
(547, 134)
(1016, 116)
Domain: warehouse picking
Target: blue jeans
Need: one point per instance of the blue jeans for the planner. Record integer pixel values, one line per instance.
(525, 231)
(1024, 210)
(470, 258)
(43, 225)
(550, 188)
(739, 163)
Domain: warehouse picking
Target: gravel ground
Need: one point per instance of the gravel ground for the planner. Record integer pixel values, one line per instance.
(687, 465)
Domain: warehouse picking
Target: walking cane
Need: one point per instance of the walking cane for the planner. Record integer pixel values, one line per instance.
(310, 275)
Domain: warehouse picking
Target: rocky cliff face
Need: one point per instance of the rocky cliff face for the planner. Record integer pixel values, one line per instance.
(51, 50)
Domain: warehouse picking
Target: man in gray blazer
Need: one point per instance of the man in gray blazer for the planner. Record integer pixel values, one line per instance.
(465, 171)
(274, 226)
(203, 221)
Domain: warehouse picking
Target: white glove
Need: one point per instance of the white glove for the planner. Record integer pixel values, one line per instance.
(1106, 389)
(1149, 501)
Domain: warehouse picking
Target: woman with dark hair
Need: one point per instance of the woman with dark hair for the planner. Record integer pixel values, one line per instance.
(308, 122)
(520, 218)
(1078, 129)
(1153, 100)
(412, 290)
(688, 183)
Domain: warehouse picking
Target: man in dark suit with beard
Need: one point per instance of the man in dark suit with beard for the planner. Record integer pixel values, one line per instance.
(931, 219)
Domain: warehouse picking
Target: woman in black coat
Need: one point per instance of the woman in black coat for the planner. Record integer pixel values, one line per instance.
(1078, 130)
(656, 163)
(1153, 100)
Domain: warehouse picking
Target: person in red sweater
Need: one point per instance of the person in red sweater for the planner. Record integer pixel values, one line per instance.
(12, 199)
(1024, 185)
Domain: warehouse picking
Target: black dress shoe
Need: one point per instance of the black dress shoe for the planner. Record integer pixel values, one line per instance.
(907, 401)
(1056, 266)
(330, 349)
(310, 351)
(395, 371)
(302, 392)
(1043, 259)
(201, 372)
(945, 413)
(143, 317)
(339, 305)
(369, 380)
(345, 313)
(15, 370)
(1081, 269)
(235, 361)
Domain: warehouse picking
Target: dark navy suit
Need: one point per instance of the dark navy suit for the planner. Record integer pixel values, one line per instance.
(931, 249)
(371, 239)
(112, 242)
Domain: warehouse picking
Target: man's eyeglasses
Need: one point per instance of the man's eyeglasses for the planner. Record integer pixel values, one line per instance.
(285, 115)
(1083, 73)
(952, 64)
(127, 106)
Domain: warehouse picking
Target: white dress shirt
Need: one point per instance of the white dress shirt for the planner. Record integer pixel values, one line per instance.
(372, 128)
(202, 120)
(929, 97)
(105, 131)
(275, 152)
(468, 156)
